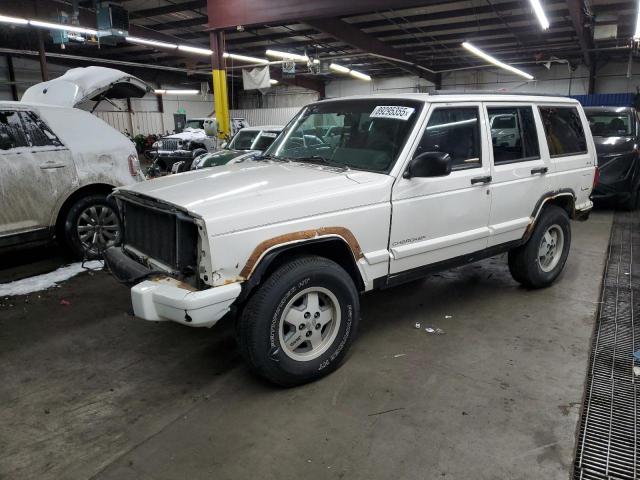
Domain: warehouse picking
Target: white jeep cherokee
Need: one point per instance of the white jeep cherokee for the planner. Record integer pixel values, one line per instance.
(410, 185)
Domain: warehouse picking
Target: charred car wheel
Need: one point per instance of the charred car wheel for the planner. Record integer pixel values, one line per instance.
(538, 262)
(92, 225)
(301, 322)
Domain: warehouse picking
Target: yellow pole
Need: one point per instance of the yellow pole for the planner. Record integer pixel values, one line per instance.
(221, 102)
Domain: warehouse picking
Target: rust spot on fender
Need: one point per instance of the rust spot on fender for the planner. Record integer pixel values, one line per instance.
(342, 232)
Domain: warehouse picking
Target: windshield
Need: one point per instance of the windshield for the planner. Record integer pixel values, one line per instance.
(243, 140)
(360, 134)
(503, 121)
(195, 124)
(610, 124)
(265, 140)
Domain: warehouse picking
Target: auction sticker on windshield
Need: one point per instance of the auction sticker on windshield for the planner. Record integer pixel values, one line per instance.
(392, 111)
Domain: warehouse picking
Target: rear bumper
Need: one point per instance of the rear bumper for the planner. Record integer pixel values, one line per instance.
(162, 298)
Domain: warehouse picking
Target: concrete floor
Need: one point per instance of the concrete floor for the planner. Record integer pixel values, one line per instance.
(89, 392)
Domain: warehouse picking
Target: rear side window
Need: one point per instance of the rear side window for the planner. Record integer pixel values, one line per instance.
(38, 131)
(12, 133)
(513, 134)
(455, 131)
(563, 129)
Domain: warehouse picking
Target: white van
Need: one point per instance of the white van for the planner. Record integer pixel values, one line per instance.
(58, 163)
(411, 184)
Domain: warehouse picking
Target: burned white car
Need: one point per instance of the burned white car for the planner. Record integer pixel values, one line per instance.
(58, 163)
(408, 185)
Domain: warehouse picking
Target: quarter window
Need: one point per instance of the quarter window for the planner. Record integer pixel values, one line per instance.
(38, 132)
(563, 129)
(11, 131)
(513, 134)
(455, 131)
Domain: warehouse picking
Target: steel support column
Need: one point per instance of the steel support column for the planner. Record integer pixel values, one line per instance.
(12, 78)
(220, 97)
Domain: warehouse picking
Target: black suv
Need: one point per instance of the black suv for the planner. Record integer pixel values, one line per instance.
(616, 133)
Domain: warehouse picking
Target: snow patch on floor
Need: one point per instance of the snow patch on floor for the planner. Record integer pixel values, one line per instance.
(46, 280)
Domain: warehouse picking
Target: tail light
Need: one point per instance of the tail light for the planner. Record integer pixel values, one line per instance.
(134, 165)
(596, 177)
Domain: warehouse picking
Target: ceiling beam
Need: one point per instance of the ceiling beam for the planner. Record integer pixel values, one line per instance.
(173, 8)
(576, 12)
(229, 14)
(353, 36)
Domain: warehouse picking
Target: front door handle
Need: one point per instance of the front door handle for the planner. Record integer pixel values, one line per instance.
(52, 164)
(540, 170)
(486, 179)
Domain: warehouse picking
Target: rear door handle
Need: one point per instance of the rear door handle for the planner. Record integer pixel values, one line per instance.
(486, 179)
(51, 164)
(540, 170)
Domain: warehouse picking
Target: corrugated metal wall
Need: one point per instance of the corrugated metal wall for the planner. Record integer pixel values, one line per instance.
(266, 116)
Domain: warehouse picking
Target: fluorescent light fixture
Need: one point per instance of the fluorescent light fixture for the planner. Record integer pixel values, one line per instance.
(153, 43)
(19, 21)
(159, 91)
(354, 73)
(316, 61)
(59, 26)
(287, 55)
(495, 61)
(360, 75)
(182, 92)
(539, 11)
(636, 35)
(339, 68)
(200, 51)
(273, 81)
(244, 58)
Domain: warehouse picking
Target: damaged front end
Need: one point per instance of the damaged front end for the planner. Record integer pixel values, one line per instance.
(162, 256)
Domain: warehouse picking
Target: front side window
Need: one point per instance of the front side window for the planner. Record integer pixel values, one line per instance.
(455, 131)
(38, 132)
(243, 140)
(12, 134)
(513, 134)
(610, 124)
(360, 134)
(563, 129)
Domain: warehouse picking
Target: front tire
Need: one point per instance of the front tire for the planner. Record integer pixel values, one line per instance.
(300, 323)
(92, 225)
(538, 263)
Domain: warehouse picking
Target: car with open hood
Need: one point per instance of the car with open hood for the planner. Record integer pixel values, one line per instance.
(59, 163)
(245, 145)
(405, 185)
(616, 133)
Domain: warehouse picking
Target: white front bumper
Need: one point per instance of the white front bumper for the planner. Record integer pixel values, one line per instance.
(164, 299)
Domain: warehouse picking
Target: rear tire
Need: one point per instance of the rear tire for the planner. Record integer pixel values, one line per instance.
(538, 263)
(300, 323)
(92, 225)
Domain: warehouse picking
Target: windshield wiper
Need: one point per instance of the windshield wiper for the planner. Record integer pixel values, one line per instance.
(268, 156)
(320, 160)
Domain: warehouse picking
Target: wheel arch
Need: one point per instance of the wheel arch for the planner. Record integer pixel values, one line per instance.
(565, 199)
(85, 190)
(332, 247)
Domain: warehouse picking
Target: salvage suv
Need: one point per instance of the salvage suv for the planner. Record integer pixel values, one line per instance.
(411, 185)
(58, 163)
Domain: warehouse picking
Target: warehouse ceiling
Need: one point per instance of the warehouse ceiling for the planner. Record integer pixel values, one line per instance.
(429, 36)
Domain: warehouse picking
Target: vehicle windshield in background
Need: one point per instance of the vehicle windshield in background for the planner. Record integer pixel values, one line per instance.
(265, 140)
(503, 121)
(194, 124)
(609, 124)
(243, 140)
(360, 134)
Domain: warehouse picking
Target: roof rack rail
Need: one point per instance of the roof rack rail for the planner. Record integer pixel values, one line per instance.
(492, 92)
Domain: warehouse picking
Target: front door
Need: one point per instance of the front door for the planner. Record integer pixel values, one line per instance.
(36, 172)
(440, 218)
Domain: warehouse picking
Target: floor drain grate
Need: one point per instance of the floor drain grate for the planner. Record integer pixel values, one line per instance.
(608, 447)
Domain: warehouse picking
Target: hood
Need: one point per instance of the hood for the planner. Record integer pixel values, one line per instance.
(248, 194)
(189, 134)
(79, 85)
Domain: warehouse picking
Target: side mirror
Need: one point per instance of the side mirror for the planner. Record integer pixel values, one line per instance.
(429, 164)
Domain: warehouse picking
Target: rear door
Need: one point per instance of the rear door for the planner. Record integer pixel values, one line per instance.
(521, 170)
(36, 173)
(439, 218)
